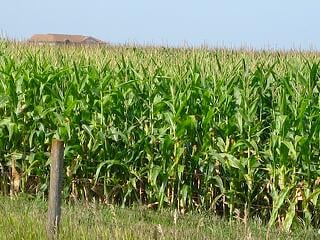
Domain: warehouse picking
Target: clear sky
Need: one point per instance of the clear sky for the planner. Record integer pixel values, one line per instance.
(225, 23)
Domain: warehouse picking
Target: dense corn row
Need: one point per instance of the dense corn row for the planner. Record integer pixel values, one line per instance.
(236, 132)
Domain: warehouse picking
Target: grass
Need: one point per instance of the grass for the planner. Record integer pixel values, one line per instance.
(25, 219)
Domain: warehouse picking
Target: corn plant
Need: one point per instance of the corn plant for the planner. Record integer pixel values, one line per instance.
(233, 132)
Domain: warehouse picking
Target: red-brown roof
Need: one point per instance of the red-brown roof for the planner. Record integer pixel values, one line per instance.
(63, 38)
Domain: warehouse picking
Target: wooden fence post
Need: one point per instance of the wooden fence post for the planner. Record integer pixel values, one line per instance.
(55, 188)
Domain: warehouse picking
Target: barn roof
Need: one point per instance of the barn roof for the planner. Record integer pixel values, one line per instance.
(50, 37)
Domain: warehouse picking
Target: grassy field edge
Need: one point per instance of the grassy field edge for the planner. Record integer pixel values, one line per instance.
(25, 219)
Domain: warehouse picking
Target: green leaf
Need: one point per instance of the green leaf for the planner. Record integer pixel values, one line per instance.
(278, 202)
(290, 216)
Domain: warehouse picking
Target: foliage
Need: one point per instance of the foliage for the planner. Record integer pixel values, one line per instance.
(235, 132)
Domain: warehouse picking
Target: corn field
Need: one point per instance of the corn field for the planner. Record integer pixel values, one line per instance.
(233, 132)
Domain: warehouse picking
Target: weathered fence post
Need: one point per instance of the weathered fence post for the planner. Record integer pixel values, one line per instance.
(55, 188)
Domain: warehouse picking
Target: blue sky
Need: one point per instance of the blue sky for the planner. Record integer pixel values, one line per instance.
(225, 23)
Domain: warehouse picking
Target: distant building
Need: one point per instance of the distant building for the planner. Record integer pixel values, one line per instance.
(56, 39)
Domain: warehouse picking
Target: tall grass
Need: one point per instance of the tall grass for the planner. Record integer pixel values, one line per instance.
(235, 132)
(93, 221)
